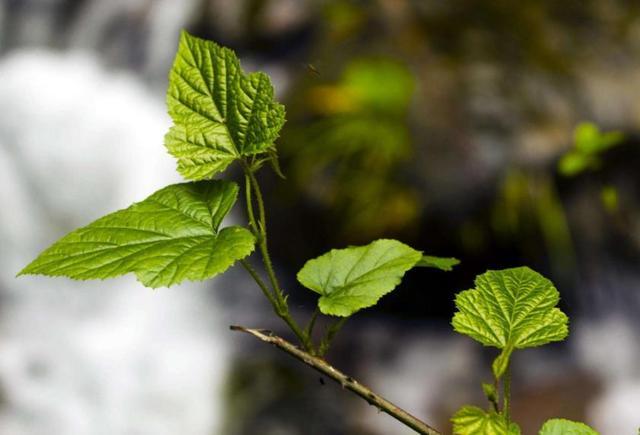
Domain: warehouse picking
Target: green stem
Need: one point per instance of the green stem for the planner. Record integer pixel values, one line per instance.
(249, 201)
(263, 286)
(496, 404)
(259, 227)
(262, 243)
(506, 404)
(308, 330)
(331, 332)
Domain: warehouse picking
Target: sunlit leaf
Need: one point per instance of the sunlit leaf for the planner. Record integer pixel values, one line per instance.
(559, 426)
(171, 236)
(510, 309)
(356, 277)
(220, 114)
(471, 420)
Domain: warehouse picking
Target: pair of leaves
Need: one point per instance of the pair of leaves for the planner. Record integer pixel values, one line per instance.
(510, 309)
(220, 114)
(471, 420)
(357, 277)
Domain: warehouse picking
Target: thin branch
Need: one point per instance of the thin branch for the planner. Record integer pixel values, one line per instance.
(304, 339)
(263, 286)
(249, 204)
(347, 382)
(262, 223)
(277, 297)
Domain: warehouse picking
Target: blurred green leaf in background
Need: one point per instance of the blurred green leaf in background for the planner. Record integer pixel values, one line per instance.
(349, 155)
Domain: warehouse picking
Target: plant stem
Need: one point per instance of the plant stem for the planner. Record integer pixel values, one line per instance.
(308, 330)
(496, 384)
(262, 228)
(347, 382)
(331, 332)
(507, 394)
(249, 201)
(276, 297)
(263, 286)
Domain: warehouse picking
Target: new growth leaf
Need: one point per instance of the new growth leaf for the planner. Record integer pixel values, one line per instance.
(220, 114)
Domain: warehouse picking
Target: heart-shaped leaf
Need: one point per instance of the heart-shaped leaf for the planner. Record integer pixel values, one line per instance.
(220, 114)
(356, 277)
(169, 237)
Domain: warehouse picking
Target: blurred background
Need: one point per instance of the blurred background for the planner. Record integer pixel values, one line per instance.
(502, 133)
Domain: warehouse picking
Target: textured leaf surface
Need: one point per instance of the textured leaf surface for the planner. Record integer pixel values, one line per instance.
(559, 426)
(442, 263)
(220, 114)
(356, 277)
(169, 237)
(471, 420)
(510, 309)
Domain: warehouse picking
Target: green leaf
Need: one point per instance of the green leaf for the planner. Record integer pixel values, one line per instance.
(587, 137)
(510, 309)
(559, 426)
(471, 420)
(589, 142)
(442, 263)
(169, 237)
(575, 162)
(220, 114)
(356, 277)
(490, 392)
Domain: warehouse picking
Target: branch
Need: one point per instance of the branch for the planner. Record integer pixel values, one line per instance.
(347, 382)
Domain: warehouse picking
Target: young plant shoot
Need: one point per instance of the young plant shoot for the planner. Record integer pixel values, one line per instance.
(224, 116)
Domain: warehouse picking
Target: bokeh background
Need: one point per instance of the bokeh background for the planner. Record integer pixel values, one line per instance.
(456, 126)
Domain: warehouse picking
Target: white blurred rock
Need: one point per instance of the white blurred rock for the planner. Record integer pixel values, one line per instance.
(76, 142)
(610, 348)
